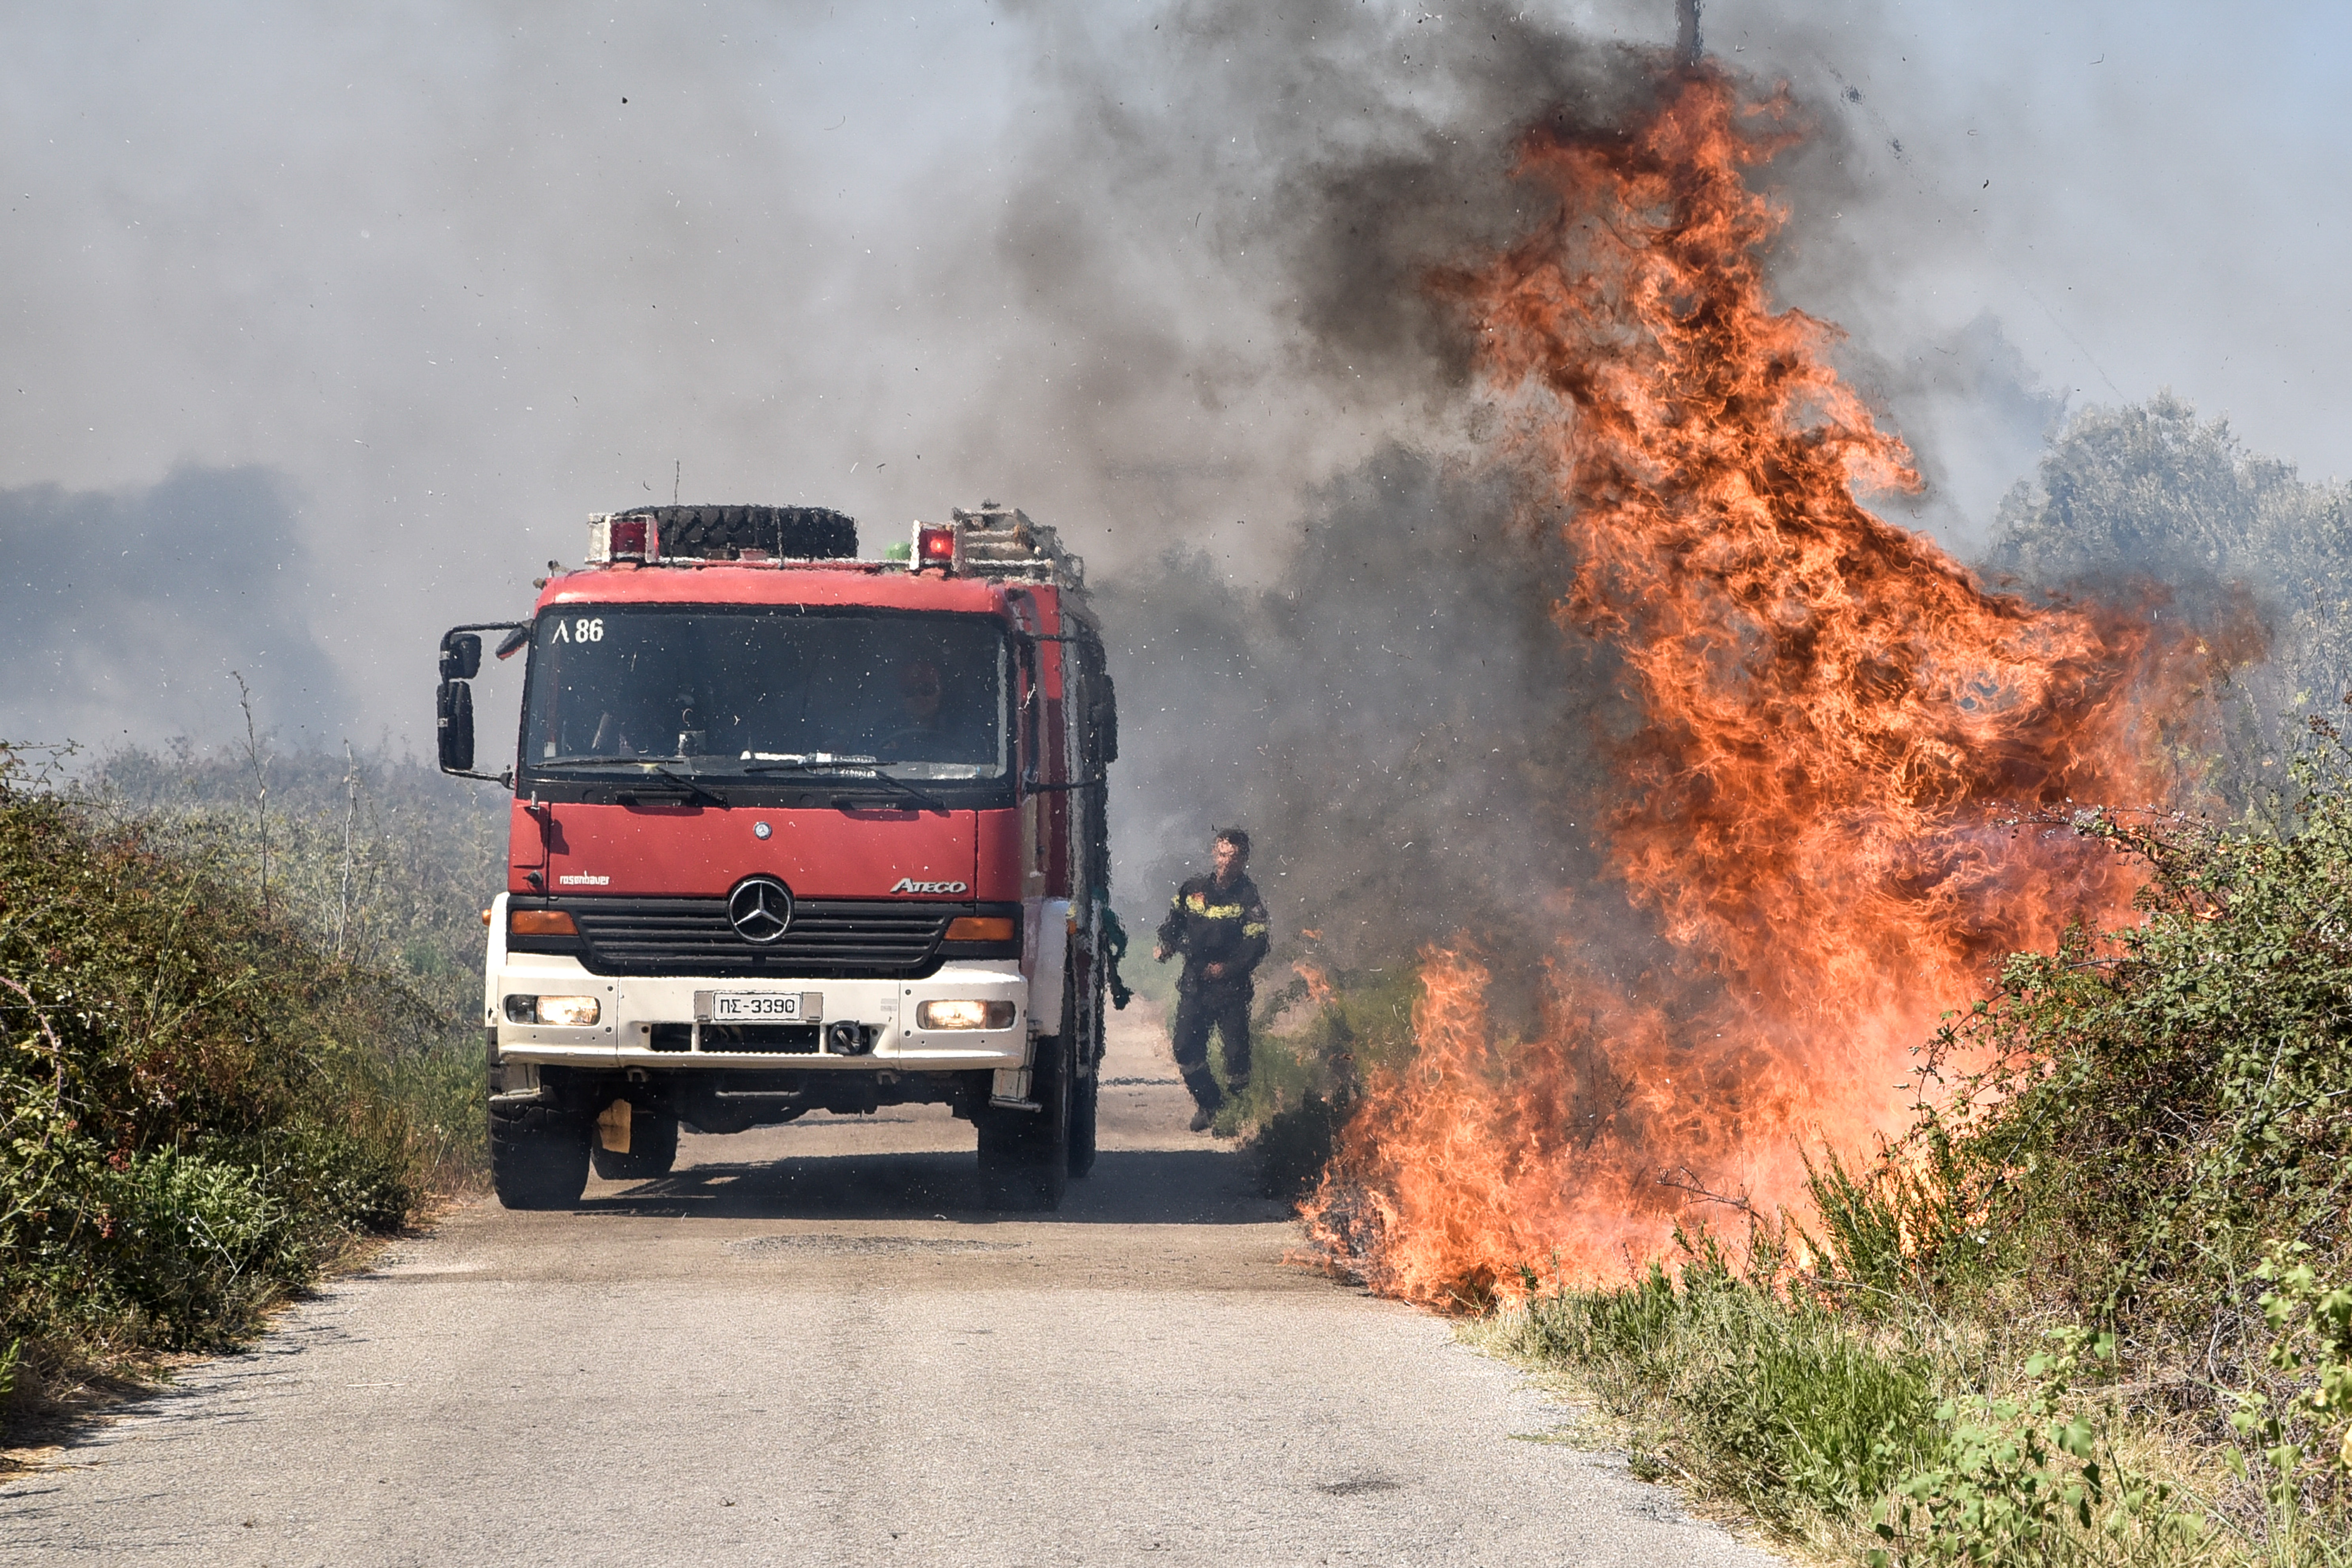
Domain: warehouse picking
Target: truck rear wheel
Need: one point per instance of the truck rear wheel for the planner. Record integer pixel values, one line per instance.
(1086, 1090)
(652, 1150)
(1081, 1122)
(1024, 1155)
(539, 1156)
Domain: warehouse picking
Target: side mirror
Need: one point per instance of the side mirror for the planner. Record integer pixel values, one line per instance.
(454, 710)
(461, 656)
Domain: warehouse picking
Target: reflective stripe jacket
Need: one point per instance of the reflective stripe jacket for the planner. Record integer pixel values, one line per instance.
(1210, 924)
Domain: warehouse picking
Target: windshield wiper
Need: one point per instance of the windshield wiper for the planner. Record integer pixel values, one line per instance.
(902, 786)
(693, 791)
(860, 768)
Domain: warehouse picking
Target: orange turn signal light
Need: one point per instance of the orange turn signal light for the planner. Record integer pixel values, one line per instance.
(980, 928)
(539, 923)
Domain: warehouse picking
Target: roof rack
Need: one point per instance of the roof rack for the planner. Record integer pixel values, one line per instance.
(1001, 542)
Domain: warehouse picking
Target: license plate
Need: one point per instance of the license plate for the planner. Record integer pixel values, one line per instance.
(766, 1006)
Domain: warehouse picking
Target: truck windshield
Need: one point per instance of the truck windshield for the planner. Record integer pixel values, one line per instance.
(753, 690)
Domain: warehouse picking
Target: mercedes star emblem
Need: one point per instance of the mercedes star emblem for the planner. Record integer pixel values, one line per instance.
(761, 910)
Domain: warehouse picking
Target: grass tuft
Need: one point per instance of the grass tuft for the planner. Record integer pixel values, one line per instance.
(1798, 1413)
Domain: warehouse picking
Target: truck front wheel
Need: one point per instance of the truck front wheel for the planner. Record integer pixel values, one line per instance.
(652, 1150)
(539, 1155)
(1024, 1155)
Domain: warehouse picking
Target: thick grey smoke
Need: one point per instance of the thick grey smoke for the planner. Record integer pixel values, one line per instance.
(1400, 724)
(148, 604)
(462, 273)
(1376, 687)
(1983, 419)
(1236, 208)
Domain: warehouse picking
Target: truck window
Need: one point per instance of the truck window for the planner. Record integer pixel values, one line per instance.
(752, 688)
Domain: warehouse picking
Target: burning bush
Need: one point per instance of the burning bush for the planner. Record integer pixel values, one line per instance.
(2153, 1141)
(2156, 1105)
(1816, 806)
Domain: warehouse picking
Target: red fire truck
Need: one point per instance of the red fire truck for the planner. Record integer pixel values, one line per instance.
(794, 831)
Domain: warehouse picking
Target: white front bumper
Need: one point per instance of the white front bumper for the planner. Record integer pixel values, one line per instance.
(631, 1006)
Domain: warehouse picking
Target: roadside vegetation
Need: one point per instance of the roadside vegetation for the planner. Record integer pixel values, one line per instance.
(236, 994)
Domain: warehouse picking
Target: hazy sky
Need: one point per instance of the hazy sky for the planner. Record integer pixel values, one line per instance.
(386, 300)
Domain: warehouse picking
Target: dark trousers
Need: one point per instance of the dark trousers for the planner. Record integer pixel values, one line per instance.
(1226, 1009)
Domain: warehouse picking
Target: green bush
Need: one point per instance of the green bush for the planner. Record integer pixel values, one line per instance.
(184, 1241)
(2033, 1480)
(202, 1102)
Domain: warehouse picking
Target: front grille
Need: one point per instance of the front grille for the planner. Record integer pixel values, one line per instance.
(837, 938)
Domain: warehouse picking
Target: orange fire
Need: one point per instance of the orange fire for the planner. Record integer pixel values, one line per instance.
(1837, 714)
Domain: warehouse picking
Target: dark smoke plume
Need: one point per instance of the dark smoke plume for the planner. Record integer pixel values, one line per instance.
(142, 602)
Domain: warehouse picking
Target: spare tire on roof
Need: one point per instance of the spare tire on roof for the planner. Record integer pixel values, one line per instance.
(724, 532)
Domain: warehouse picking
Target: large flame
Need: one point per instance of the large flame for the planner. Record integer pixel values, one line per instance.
(1836, 715)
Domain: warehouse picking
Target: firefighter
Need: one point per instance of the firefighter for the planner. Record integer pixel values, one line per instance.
(1218, 923)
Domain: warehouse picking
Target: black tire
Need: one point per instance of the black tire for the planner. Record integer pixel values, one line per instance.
(539, 1156)
(720, 532)
(1082, 1124)
(1024, 1155)
(1086, 1092)
(652, 1150)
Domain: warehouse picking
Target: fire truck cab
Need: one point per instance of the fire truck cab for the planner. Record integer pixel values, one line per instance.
(796, 832)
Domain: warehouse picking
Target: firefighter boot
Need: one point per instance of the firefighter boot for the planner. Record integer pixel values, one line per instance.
(1205, 1094)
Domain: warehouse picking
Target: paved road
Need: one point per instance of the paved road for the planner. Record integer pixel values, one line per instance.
(810, 1346)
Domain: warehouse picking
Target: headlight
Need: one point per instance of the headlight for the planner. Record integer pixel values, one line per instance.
(964, 1015)
(565, 1012)
(568, 1012)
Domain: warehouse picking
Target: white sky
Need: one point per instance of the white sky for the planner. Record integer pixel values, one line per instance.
(423, 264)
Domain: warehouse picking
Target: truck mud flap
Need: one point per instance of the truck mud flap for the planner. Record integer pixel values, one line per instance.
(1011, 1090)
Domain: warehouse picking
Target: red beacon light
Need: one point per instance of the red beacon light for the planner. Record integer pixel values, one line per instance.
(939, 544)
(631, 535)
(622, 538)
